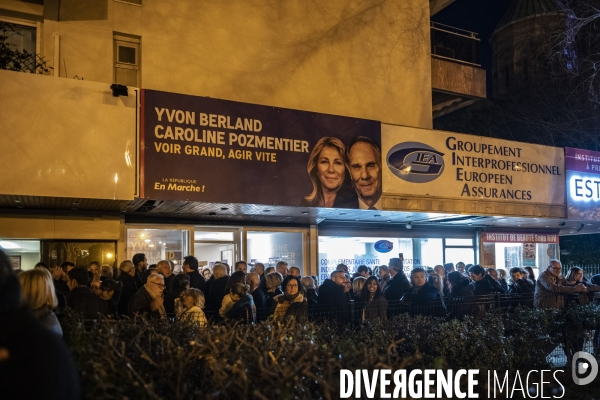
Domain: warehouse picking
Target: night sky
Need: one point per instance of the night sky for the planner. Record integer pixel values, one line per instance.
(480, 16)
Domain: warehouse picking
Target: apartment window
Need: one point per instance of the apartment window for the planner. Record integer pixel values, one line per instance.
(20, 38)
(127, 61)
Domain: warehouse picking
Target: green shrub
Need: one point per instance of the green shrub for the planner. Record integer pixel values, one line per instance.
(141, 359)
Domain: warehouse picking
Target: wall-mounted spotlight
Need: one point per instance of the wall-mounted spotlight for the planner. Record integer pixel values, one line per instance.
(119, 90)
(408, 226)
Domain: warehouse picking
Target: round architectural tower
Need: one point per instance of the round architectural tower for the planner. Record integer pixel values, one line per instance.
(516, 43)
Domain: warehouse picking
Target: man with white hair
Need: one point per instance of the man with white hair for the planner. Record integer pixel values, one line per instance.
(164, 268)
(551, 287)
(148, 300)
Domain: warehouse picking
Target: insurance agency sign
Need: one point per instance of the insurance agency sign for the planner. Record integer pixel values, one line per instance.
(442, 164)
(583, 184)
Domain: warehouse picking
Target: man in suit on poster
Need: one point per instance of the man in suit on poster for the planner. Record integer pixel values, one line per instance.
(363, 159)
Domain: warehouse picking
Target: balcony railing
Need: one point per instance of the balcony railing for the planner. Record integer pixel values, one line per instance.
(455, 44)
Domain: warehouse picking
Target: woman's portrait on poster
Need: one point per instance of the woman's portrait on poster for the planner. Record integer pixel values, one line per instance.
(328, 174)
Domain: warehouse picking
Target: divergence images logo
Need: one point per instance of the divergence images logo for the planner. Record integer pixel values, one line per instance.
(383, 246)
(583, 361)
(415, 162)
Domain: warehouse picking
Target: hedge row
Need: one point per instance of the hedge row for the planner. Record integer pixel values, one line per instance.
(142, 359)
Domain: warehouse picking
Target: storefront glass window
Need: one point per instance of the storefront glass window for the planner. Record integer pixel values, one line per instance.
(457, 254)
(23, 254)
(508, 250)
(375, 251)
(159, 244)
(271, 247)
(430, 252)
(55, 252)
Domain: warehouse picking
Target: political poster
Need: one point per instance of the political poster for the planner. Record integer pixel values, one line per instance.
(210, 150)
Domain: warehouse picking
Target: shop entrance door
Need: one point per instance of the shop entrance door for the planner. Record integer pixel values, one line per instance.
(213, 245)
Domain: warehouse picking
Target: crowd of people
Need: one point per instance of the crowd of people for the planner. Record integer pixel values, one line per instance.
(247, 294)
(253, 293)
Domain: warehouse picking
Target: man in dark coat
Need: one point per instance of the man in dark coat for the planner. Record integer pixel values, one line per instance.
(81, 299)
(216, 290)
(28, 349)
(520, 285)
(460, 296)
(129, 287)
(62, 285)
(483, 284)
(148, 300)
(190, 267)
(332, 302)
(423, 297)
(140, 263)
(398, 284)
(257, 293)
(331, 292)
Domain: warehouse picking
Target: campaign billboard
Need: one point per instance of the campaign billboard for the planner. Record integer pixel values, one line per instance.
(210, 150)
(422, 162)
(583, 184)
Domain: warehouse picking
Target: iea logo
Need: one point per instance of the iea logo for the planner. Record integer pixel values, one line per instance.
(584, 364)
(415, 162)
(383, 246)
